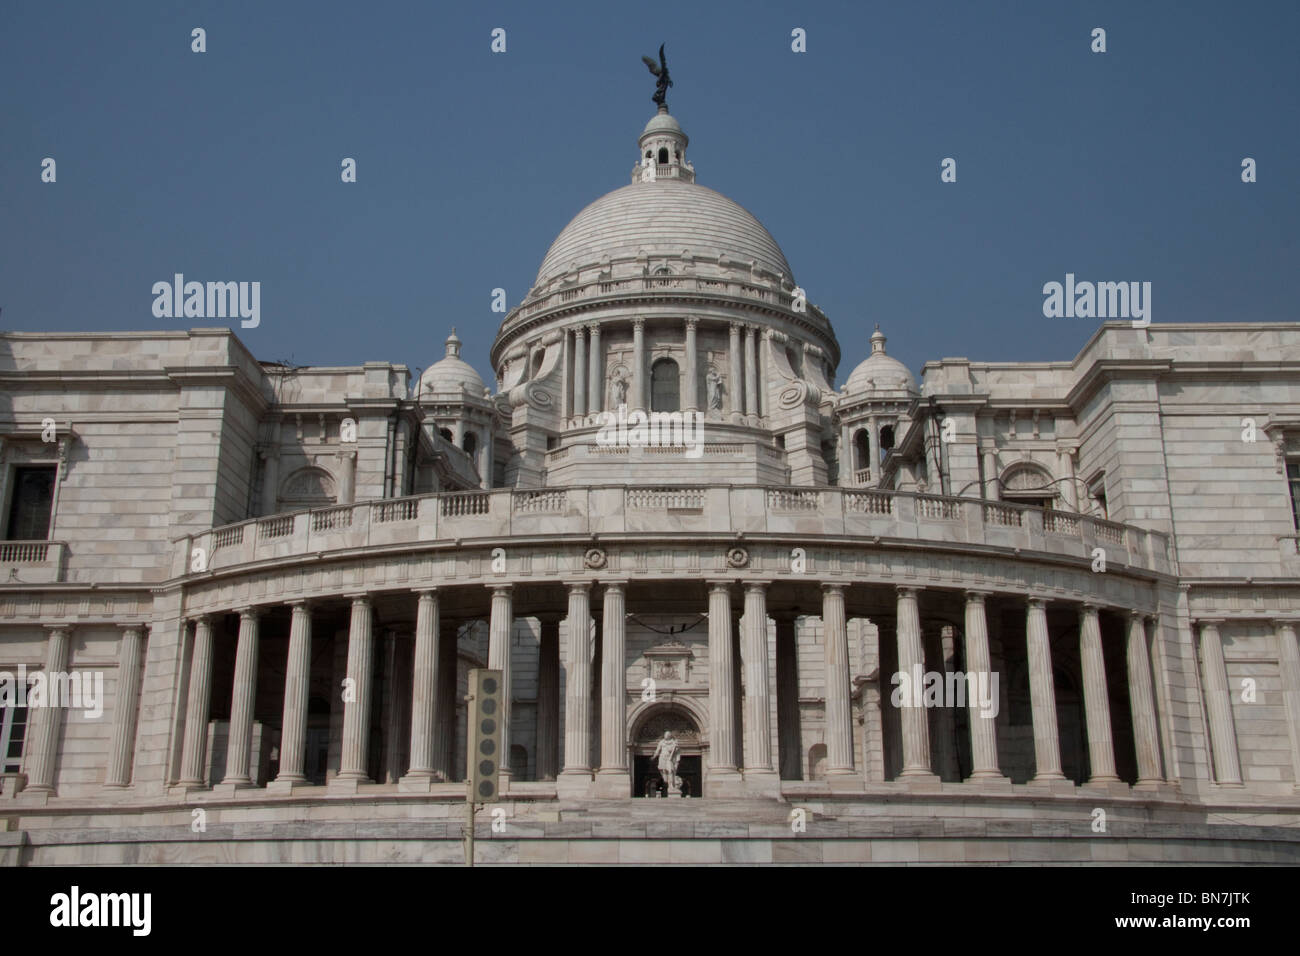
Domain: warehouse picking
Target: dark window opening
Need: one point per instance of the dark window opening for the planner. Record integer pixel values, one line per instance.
(446, 433)
(862, 448)
(665, 386)
(1293, 477)
(886, 441)
(31, 504)
(470, 444)
(663, 154)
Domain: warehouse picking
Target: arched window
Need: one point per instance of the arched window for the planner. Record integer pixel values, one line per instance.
(862, 449)
(1027, 483)
(446, 433)
(663, 154)
(470, 444)
(886, 441)
(665, 387)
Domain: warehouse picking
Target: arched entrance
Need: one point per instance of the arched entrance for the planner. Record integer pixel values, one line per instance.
(647, 730)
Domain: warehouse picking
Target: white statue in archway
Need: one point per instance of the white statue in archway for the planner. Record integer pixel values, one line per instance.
(668, 755)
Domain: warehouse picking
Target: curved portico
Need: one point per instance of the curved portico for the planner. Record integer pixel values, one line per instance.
(726, 615)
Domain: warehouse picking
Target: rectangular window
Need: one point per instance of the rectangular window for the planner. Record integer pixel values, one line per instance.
(31, 504)
(13, 731)
(1293, 479)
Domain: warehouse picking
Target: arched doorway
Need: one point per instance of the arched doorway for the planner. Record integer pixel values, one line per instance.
(647, 731)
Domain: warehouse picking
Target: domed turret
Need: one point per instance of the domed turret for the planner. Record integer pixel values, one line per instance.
(451, 373)
(879, 372)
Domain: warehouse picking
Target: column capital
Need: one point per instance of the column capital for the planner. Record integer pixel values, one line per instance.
(977, 595)
(578, 585)
(593, 328)
(833, 588)
(1089, 607)
(1036, 602)
(736, 327)
(249, 611)
(1138, 612)
(298, 602)
(421, 592)
(752, 586)
(716, 585)
(500, 588)
(200, 618)
(638, 324)
(691, 322)
(133, 627)
(56, 628)
(616, 585)
(907, 590)
(1204, 622)
(358, 597)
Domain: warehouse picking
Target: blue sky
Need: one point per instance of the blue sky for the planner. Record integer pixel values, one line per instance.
(225, 165)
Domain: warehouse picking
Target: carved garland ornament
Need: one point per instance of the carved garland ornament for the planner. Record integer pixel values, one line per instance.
(737, 558)
(595, 559)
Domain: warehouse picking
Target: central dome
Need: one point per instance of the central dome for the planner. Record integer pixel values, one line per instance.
(662, 218)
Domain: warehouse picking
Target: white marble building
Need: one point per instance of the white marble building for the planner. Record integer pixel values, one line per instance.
(232, 543)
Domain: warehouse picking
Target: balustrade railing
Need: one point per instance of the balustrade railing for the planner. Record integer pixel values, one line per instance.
(614, 509)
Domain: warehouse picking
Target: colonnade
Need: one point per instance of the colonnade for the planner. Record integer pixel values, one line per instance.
(586, 382)
(740, 739)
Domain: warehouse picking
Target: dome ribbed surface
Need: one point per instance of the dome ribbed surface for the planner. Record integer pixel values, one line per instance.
(663, 218)
(451, 374)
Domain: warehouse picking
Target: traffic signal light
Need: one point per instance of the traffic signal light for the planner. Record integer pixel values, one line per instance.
(485, 757)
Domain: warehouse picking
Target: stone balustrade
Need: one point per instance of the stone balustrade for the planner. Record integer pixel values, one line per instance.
(609, 510)
(34, 562)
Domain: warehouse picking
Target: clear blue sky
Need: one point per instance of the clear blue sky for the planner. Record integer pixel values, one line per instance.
(225, 165)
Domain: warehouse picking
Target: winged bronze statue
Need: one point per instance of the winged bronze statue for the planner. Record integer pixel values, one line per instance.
(660, 70)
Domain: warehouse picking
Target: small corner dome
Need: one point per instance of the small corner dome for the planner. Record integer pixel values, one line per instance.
(880, 372)
(451, 373)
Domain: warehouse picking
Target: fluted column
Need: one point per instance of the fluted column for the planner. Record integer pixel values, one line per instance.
(1288, 658)
(196, 706)
(271, 476)
(736, 384)
(991, 492)
(1096, 697)
(424, 690)
(500, 632)
(579, 373)
(297, 687)
(911, 662)
(596, 372)
(1142, 703)
(638, 366)
(243, 698)
(577, 689)
(751, 371)
(348, 477)
(983, 727)
(125, 707)
(613, 777)
(548, 699)
(722, 683)
(691, 400)
(758, 694)
(356, 708)
(48, 720)
(1042, 694)
(839, 713)
(1218, 706)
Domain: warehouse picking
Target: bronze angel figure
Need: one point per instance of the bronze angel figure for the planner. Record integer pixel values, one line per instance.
(660, 70)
